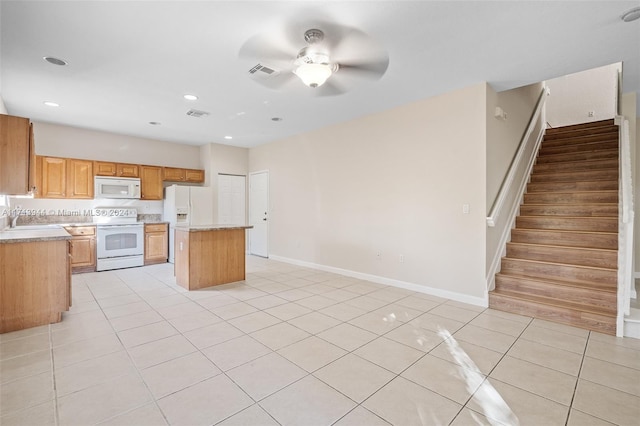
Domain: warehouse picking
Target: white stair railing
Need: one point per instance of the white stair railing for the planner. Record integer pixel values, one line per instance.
(625, 225)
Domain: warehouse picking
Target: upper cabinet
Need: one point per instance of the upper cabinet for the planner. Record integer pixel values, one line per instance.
(57, 177)
(79, 178)
(103, 168)
(64, 177)
(174, 174)
(150, 183)
(17, 155)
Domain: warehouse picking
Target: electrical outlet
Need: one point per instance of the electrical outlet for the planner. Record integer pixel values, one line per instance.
(590, 113)
(378, 255)
(401, 258)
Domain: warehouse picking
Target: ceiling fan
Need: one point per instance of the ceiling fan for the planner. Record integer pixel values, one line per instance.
(335, 59)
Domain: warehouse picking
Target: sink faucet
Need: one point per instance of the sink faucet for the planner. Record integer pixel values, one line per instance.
(14, 213)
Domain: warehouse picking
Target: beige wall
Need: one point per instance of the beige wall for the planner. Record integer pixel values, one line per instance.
(65, 141)
(574, 95)
(503, 136)
(222, 159)
(393, 182)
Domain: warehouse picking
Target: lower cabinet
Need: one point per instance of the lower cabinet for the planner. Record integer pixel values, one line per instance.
(83, 248)
(156, 243)
(34, 283)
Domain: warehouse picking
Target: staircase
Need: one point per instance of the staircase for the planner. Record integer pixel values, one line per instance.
(561, 263)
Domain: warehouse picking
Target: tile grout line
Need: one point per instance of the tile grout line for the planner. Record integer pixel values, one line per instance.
(56, 414)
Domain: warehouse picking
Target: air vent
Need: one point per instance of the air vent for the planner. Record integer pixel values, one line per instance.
(261, 68)
(197, 113)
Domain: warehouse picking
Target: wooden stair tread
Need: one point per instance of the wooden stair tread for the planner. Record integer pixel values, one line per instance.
(557, 303)
(564, 247)
(598, 123)
(585, 286)
(570, 265)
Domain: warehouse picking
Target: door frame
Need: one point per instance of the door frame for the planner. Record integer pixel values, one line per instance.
(251, 176)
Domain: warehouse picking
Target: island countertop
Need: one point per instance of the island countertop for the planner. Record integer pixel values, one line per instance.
(212, 227)
(17, 235)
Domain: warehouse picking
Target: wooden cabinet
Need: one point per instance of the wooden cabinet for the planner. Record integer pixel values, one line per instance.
(127, 170)
(103, 168)
(34, 283)
(150, 183)
(83, 248)
(51, 174)
(156, 243)
(174, 174)
(208, 257)
(79, 178)
(194, 175)
(17, 155)
(64, 177)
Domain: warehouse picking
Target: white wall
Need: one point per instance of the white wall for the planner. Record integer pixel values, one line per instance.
(393, 182)
(574, 95)
(222, 159)
(64, 141)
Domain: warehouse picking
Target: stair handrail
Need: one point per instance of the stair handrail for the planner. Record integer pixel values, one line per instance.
(507, 181)
(625, 225)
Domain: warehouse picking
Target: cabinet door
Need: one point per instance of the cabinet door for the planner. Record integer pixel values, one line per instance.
(156, 247)
(53, 178)
(79, 178)
(127, 170)
(151, 183)
(83, 252)
(173, 174)
(103, 168)
(193, 175)
(14, 155)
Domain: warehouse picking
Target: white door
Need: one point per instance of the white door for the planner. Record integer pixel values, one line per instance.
(259, 213)
(231, 200)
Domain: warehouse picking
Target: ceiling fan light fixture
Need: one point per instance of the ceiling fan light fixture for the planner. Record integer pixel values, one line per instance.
(313, 75)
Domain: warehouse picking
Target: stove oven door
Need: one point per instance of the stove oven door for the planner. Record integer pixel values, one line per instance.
(120, 241)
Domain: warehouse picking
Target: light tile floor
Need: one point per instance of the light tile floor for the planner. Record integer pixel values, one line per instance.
(295, 346)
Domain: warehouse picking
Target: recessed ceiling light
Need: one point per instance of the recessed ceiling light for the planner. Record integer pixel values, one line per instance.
(276, 119)
(190, 97)
(631, 15)
(55, 61)
(155, 123)
(228, 137)
(51, 104)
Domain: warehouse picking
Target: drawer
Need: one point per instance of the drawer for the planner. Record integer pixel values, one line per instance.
(155, 227)
(81, 230)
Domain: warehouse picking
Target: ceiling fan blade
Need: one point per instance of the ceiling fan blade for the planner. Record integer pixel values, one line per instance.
(373, 70)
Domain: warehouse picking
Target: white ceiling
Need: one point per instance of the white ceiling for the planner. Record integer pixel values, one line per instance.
(130, 62)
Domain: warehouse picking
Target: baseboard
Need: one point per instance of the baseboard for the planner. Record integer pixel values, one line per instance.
(458, 297)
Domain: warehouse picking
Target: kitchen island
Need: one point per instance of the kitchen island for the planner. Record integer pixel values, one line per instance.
(35, 279)
(209, 255)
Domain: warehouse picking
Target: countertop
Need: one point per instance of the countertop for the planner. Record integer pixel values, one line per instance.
(213, 227)
(17, 235)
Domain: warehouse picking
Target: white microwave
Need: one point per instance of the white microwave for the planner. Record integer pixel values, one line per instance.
(110, 187)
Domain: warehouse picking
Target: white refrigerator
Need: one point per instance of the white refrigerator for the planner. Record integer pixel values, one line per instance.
(186, 205)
